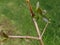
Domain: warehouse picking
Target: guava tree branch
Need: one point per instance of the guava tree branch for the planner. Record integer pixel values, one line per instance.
(27, 37)
(44, 29)
(35, 23)
(12, 36)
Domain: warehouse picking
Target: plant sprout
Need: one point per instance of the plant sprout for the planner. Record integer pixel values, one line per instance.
(42, 12)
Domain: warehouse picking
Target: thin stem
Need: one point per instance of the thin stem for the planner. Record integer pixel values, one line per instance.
(36, 26)
(38, 31)
(44, 29)
(27, 37)
(35, 23)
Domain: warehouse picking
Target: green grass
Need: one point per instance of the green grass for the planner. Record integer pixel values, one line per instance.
(18, 14)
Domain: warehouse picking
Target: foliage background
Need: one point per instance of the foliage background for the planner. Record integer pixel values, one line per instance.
(18, 13)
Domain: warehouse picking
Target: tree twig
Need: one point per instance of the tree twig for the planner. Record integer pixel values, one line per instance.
(36, 26)
(35, 23)
(27, 37)
(38, 31)
(44, 29)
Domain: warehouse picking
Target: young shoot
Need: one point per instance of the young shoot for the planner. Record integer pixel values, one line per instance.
(39, 10)
(37, 5)
(44, 12)
(46, 20)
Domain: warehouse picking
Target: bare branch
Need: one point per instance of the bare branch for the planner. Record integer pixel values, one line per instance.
(38, 31)
(27, 37)
(36, 26)
(44, 28)
(35, 23)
